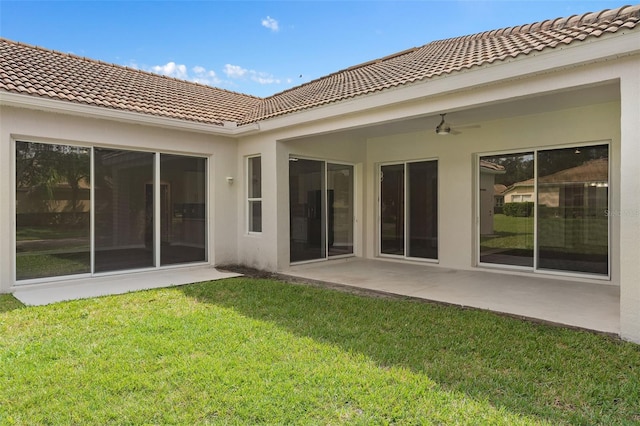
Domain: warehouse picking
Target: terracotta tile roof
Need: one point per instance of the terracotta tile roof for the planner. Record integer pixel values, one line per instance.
(445, 57)
(484, 164)
(40, 72)
(499, 188)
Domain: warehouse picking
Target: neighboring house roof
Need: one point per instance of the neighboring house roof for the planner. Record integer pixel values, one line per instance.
(529, 183)
(39, 72)
(498, 189)
(491, 167)
(591, 171)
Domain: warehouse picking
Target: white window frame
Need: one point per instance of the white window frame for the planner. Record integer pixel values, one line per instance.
(251, 200)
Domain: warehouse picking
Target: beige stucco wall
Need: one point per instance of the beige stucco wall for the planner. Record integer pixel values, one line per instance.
(38, 126)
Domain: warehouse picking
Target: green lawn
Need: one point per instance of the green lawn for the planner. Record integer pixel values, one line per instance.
(249, 351)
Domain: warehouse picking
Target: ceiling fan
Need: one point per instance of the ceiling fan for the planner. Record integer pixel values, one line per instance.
(445, 128)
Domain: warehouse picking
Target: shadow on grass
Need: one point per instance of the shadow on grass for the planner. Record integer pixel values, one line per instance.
(9, 303)
(549, 372)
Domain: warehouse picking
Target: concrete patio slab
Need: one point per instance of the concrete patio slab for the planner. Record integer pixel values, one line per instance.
(116, 284)
(574, 303)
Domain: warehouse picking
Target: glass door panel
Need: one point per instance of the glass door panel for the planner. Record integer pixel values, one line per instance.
(422, 209)
(340, 212)
(507, 198)
(392, 209)
(183, 209)
(307, 210)
(52, 210)
(123, 210)
(573, 226)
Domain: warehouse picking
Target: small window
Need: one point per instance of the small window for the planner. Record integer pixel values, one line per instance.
(254, 194)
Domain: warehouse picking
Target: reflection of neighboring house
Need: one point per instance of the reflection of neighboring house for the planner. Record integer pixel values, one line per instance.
(564, 188)
(498, 194)
(576, 187)
(488, 172)
(61, 199)
(519, 192)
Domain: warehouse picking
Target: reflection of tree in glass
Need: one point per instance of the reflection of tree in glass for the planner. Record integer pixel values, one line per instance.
(41, 169)
(518, 168)
(553, 161)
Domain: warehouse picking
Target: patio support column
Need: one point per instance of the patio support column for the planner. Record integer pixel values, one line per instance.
(282, 206)
(6, 218)
(629, 214)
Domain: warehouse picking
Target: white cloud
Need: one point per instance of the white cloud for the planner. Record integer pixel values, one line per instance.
(198, 73)
(171, 69)
(202, 76)
(234, 71)
(237, 72)
(271, 23)
(263, 78)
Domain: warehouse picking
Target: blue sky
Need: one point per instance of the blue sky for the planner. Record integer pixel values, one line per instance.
(260, 48)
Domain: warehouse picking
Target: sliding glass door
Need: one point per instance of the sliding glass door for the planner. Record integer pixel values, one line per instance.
(123, 210)
(320, 209)
(82, 210)
(507, 209)
(573, 199)
(52, 210)
(340, 212)
(409, 209)
(392, 209)
(182, 209)
(546, 209)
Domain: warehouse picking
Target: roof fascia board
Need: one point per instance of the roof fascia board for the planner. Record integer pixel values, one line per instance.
(91, 111)
(616, 46)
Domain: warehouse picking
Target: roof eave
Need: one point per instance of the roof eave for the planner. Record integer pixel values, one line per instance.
(618, 45)
(18, 100)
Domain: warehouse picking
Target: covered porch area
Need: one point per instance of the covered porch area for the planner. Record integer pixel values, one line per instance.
(555, 300)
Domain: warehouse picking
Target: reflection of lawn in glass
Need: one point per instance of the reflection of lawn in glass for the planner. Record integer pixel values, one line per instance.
(555, 233)
(509, 233)
(46, 251)
(47, 265)
(29, 233)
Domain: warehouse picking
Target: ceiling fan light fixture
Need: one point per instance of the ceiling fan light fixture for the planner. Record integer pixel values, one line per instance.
(443, 128)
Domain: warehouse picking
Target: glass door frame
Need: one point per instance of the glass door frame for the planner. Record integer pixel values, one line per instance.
(326, 210)
(157, 225)
(534, 269)
(478, 208)
(404, 256)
